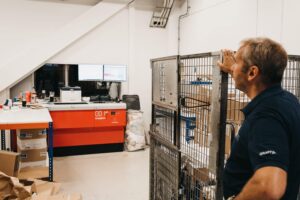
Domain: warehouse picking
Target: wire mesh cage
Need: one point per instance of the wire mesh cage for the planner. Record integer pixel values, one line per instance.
(164, 154)
(199, 129)
(200, 140)
(164, 168)
(164, 120)
(291, 76)
(188, 125)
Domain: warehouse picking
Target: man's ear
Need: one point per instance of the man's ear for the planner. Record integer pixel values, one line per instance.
(253, 72)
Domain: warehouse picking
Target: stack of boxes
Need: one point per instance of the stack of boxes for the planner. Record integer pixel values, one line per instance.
(32, 146)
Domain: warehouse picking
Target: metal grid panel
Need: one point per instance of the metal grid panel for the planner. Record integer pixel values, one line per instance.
(199, 153)
(291, 76)
(164, 168)
(164, 120)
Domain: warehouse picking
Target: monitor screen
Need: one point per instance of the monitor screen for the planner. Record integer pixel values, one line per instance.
(115, 72)
(88, 72)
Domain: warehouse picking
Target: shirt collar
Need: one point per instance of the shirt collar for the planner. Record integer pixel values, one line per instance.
(270, 91)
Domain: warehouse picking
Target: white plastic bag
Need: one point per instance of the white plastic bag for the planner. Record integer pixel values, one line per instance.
(135, 131)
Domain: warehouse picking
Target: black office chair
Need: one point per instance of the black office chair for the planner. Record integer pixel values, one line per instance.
(132, 102)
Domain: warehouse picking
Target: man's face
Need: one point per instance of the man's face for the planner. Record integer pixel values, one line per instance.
(238, 75)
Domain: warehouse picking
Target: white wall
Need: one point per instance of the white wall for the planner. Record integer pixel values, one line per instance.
(213, 25)
(291, 26)
(24, 22)
(125, 38)
(269, 19)
(146, 43)
(24, 85)
(107, 44)
(216, 24)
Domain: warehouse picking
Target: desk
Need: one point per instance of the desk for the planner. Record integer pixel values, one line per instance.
(28, 119)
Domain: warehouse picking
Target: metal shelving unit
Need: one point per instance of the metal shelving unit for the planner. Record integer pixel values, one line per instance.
(36, 119)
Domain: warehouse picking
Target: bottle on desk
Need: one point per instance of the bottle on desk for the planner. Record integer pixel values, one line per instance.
(24, 99)
(28, 96)
(33, 96)
(51, 96)
(43, 94)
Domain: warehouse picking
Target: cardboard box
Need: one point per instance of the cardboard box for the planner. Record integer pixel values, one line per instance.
(33, 155)
(227, 143)
(31, 133)
(202, 130)
(9, 163)
(234, 106)
(42, 163)
(34, 172)
(45, 188)
(201, 174)
(27, 144)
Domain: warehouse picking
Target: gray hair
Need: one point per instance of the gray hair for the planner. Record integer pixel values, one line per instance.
(268, 55)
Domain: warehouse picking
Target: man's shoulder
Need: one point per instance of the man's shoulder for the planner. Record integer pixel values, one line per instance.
(283, 101)
(284, 107)
(287, 103)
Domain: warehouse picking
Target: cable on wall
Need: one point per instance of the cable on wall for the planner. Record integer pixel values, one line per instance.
(187, 13)
(129, 46)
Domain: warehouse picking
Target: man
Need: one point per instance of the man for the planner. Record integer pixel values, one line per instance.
(265, 155)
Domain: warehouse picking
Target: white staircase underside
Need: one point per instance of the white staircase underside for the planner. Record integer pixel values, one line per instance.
(34, 57)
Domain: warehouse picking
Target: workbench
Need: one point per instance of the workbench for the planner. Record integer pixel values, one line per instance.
(26, 118)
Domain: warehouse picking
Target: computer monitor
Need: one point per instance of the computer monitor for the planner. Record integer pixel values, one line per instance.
(115, 73)
(90, 72)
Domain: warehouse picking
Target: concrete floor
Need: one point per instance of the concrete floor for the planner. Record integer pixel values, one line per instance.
(107, 176)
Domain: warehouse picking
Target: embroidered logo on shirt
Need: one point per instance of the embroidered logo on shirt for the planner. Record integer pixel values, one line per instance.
(269, 152)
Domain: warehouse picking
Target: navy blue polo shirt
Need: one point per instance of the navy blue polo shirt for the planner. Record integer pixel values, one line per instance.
(269, 136)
